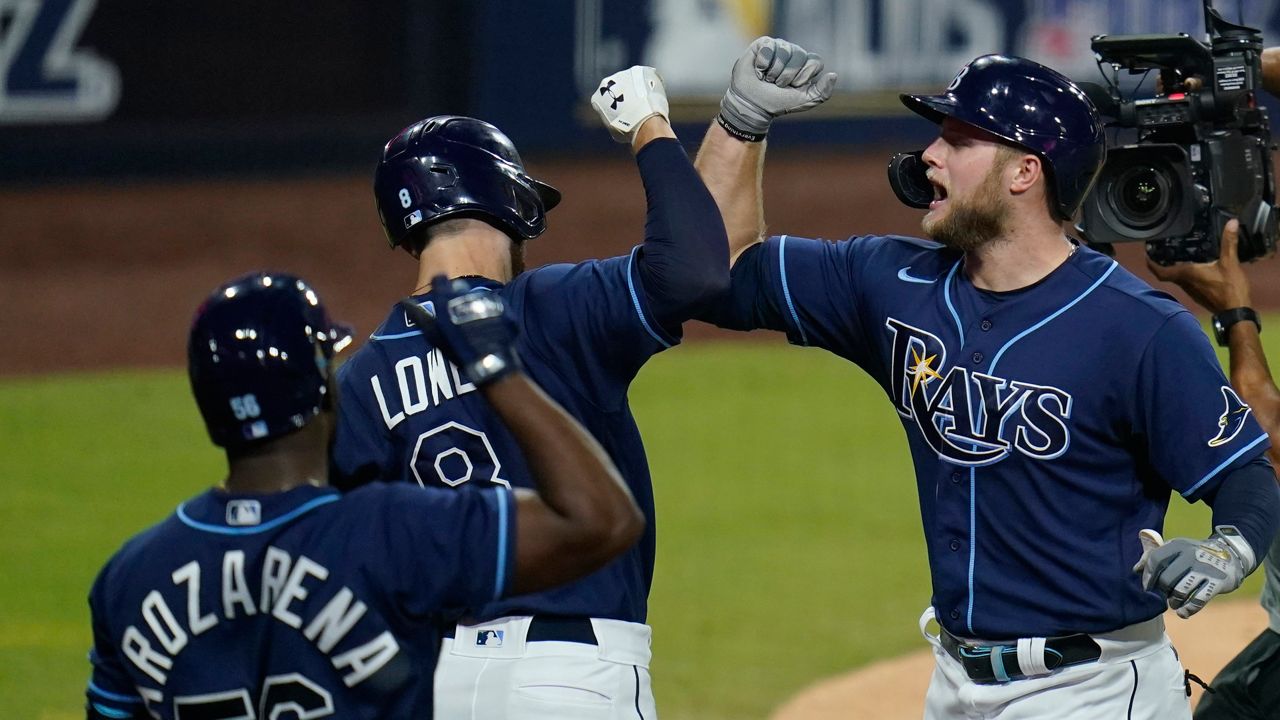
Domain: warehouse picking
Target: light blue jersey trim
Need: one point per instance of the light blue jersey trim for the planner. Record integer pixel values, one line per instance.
(223, 530)
(113, 696)
(1061, 310)
(973, 485)
(635, 301)
(1213, 473)
(946, 294)
(396, 336)
(786, 289)
(973, 545)
(499, 582)
(112, 712)
(425, 305)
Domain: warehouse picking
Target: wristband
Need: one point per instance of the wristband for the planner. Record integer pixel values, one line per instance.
(1239, 546)
(742, 135)
(1223, 321)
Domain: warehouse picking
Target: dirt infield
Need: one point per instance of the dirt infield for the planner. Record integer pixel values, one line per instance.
(102, 275)
(894, 689)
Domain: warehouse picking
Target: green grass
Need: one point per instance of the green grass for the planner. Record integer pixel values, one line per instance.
(789, 535)
(88, 461)
(786, 550)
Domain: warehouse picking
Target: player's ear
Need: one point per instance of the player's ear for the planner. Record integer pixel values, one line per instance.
(1027, 169)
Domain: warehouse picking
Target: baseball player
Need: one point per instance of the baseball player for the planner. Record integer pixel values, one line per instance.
(453, 192)
(1248, 688)
(1051, 400)
(272, 596)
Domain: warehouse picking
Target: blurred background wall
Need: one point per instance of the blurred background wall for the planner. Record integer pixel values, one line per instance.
(148, 150)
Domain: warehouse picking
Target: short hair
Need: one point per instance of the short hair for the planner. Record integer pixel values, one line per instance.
(419, 236)
(1008, 152)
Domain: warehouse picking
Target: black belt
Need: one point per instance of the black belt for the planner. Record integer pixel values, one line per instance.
(544, 628)
(987, 664)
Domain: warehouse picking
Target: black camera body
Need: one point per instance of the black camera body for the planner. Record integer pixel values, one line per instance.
(1203, 147)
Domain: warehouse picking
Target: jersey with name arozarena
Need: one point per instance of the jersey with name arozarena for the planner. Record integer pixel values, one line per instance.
(1047, 425)
(585, 331)
(302, 602)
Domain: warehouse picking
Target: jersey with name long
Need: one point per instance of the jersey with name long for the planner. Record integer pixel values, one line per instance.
(297, 604)
(407, 414)
(1047, 425)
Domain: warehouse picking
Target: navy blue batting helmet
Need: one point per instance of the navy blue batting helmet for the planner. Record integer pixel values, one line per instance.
(259, 358)
(1033, 107)
(450, 166)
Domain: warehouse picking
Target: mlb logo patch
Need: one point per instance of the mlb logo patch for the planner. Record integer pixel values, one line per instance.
(244, 512)
(256, 430)
(429, 306)
(412, 219)
(489, 638)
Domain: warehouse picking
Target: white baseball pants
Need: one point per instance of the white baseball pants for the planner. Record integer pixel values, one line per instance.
(490, 672)
(1137, 677)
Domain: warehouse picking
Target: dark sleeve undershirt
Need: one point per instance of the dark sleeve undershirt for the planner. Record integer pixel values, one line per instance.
(684, 262)
(1249, 499)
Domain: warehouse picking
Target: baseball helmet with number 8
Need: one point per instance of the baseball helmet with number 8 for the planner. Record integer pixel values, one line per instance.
(450, 166)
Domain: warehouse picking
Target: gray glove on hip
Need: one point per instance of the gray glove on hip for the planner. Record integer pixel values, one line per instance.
(771, 78)
(1191, 572)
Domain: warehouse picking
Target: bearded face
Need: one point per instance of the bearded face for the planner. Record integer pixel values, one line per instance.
(970, 220)
(517, 257)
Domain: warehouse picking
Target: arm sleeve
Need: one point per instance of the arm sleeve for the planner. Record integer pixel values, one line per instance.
(1249, 499)
(1196, 427)
(360, 452)
(111, 694)
(809, 289)
(592, 324)
(684, 261)
(450, 548)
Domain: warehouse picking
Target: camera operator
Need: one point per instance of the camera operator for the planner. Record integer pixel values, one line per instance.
(1248, 688)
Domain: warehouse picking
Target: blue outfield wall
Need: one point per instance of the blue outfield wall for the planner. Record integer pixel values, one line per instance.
(294, 86)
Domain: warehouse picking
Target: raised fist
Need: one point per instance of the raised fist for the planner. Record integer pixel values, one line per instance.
(772, 78)
(625, 99)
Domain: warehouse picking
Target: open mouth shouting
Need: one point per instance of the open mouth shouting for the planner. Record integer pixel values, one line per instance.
(939, 194)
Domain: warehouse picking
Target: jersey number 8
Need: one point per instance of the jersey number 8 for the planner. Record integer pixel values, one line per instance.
(452, 454)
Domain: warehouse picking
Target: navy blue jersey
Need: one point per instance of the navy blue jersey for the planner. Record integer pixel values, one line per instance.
(1047, 425)
(241, 605)
(407, 414)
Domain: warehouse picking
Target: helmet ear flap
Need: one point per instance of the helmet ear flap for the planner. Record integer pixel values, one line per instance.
(526, 204)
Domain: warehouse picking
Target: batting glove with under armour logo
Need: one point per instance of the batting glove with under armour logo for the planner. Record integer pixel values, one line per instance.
(771, 78)
(625, 99)
(1191, 572)
(471, 327)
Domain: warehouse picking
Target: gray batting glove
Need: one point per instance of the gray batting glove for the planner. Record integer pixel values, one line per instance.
(770, 79)
(1189, 572)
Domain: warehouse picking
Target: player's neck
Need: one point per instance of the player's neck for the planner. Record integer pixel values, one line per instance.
(297, 459)
(478, 250)
(1023, 256)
